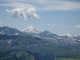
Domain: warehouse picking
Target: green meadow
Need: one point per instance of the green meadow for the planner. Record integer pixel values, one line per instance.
(66, 58)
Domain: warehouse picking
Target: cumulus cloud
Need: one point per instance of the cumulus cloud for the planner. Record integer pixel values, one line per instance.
(1, 22)
(78, 26)
(22, 13)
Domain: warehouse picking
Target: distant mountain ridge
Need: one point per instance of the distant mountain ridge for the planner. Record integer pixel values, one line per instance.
(9, 31)
(64, 41)
(30, 30)
(47, 34)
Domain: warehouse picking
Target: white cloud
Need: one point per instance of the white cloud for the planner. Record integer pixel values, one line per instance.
(61, 5)
(78, 26)
(44, 5)
(16, 4)
(1, 22)
(64, 17)
(51, 24)
(22, 13)
(64, 26)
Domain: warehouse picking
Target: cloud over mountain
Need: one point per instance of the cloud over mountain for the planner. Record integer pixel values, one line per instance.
(22, 13)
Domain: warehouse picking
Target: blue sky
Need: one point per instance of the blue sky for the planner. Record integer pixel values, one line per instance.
(57, 16)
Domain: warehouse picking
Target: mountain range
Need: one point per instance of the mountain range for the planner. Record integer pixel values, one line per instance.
(65, 41)
(42, 45)
(29, 30)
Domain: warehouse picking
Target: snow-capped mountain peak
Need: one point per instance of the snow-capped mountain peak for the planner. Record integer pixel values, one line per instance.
(68, 35)
(31, 29)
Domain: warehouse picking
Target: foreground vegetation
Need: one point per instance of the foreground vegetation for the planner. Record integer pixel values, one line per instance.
(66, 58)
(24, 47)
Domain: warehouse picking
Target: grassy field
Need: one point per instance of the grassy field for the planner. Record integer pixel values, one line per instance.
(67, 59)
